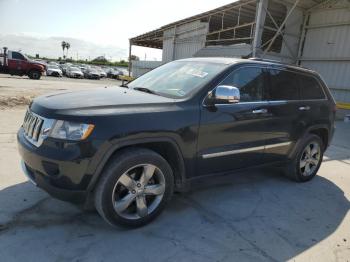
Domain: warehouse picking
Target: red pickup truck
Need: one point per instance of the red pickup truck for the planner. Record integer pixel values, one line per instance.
(16, 63)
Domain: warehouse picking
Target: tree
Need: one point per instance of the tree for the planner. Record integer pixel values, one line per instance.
(67, 46)
(134, 58)
(64, 45)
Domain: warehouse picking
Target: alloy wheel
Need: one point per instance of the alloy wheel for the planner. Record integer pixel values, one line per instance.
(139, 191)
(310, 159)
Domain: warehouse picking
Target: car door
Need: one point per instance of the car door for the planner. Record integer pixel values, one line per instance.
(18, 63)
(231, 136)
(285, 123)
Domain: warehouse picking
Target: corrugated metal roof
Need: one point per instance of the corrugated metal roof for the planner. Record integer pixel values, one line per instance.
(154, 38)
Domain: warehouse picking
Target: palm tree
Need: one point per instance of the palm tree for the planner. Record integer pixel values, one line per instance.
(64, 45)
(67, 46)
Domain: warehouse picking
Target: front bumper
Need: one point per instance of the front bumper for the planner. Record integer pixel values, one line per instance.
(59, 170)
(39, 180)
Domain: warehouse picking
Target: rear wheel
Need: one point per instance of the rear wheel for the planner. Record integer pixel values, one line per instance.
(308, 159)
(34, 74)
(134, 188)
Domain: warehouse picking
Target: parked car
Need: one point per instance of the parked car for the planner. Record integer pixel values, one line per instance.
(113, 73)
(102, 73)
(16, 63)
(126, 150)
(92, 73)
(74, 72)
(64, 68)
(53, 70)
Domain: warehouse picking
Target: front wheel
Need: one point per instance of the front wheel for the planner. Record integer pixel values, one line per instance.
(34, 74)
(307, 160)
(134, 188)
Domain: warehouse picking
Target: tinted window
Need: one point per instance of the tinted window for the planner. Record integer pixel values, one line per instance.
(283, 85)
(310, 88)
(16, 55)
(249, 80)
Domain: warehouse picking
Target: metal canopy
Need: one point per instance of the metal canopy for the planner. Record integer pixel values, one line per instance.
(232, 23)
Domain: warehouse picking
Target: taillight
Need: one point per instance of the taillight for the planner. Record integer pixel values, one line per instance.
(334, 109)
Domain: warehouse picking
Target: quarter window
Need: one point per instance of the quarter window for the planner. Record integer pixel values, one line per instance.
(249, 81)
(310, 88)
(283, 85)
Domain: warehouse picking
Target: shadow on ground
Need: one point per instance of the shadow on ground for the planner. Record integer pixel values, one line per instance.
(252, 217)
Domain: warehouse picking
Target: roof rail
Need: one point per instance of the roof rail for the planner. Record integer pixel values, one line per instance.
(266, 60)
(278, 62)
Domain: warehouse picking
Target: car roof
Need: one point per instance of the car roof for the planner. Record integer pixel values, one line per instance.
(231, 61)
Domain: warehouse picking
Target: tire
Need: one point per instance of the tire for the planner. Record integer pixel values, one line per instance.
(111, 194)
(34, 74)
(303, 162)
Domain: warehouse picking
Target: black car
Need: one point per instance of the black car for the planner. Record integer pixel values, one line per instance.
(126, 150)
(92, 73)
(114, 73)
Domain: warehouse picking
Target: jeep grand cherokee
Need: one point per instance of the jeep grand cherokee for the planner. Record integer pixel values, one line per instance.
(127, 149)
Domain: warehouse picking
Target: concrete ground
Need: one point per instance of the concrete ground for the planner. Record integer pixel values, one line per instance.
(255, 216)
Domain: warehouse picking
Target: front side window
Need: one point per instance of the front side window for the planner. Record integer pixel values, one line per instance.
(310, 88)
(16, 55)
(249, 81)
(283, 85)
(178, 79)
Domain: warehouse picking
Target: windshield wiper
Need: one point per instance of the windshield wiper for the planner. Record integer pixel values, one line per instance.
(146, 90)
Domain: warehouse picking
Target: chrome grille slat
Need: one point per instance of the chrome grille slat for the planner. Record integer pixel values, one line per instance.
(37, 129)
(33, 126)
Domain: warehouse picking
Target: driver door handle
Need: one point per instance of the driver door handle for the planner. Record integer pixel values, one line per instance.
(304, 108)
(260, 111)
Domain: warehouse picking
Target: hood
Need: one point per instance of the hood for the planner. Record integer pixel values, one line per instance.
(37, 63)
(96, 101)
(75, 71)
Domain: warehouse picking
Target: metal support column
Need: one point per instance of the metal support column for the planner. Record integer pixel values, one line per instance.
(259, 25)
(129, 64)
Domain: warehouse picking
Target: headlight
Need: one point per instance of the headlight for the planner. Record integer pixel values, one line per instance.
(70, 130)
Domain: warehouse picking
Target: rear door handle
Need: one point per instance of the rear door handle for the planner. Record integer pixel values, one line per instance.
(260, 111)
(304, 108)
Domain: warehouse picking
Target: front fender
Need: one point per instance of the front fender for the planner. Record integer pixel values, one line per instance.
(109, 148)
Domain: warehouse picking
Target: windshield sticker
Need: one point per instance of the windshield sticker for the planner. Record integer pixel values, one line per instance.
(197, 73)
(181, 92)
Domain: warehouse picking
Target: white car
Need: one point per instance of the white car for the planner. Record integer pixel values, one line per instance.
(53, 70)
(74, 72)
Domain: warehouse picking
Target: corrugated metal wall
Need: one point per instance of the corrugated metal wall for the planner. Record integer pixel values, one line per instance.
(184, 41)
(139, 68)
(327, 49)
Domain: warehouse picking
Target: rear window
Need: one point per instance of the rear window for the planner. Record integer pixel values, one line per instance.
(283, 85)
(310, 88)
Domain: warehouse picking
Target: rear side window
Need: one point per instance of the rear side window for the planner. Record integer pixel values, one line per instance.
(283, 85)
(249, 81)
(310, 88)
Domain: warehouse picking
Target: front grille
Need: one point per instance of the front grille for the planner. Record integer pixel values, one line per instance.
(32, 126)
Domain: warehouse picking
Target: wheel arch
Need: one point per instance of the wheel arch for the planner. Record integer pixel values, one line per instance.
(322, 130)
(166, 147)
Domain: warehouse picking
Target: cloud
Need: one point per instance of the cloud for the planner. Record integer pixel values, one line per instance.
(32, 44)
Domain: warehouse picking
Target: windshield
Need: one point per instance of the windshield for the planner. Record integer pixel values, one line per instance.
(53, 67)
(178, 79)
(74, 69)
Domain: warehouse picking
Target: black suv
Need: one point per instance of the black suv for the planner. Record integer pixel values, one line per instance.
(126, 149)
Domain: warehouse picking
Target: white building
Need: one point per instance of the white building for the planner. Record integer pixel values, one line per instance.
(311, 33)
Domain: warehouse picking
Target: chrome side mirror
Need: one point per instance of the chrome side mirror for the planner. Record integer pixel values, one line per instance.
(224, 95)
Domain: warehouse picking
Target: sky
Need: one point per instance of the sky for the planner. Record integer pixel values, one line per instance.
(92, 27)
